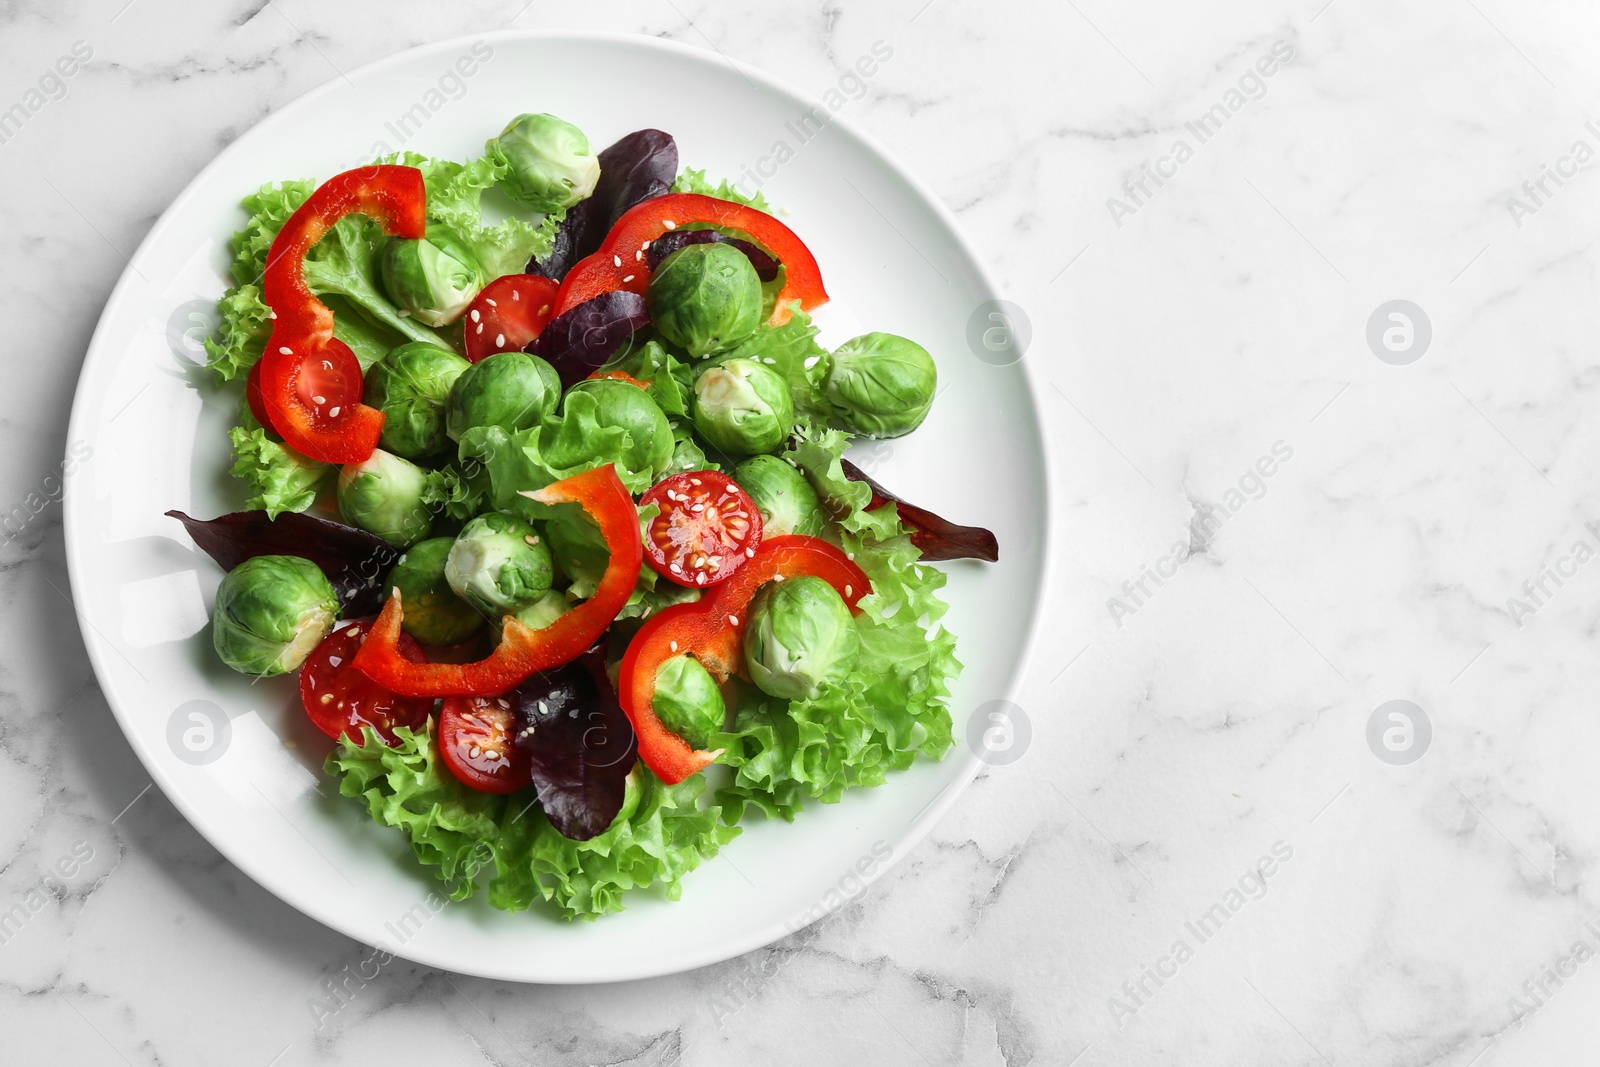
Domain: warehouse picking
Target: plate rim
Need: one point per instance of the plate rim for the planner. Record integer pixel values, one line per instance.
(263, 874)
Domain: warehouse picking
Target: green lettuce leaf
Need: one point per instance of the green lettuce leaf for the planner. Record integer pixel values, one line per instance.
(452, 828)
(668, 836)
(695, 181)
(279, 478)
(455, 198)
(242, 334)
(892, 707)
(459, 832)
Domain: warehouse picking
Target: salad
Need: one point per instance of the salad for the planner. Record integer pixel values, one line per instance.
(549, 510)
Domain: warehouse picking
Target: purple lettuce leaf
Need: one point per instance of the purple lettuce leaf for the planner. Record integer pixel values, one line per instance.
(582, 339)
(639, 167)
(662, 247)
(935, 537)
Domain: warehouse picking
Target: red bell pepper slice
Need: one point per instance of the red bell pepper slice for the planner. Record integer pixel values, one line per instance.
(310, 381)
(620, 261)
(712, 629)
(523, 651)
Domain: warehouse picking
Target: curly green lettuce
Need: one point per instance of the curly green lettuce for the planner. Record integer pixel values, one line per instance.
(695, 181)
(460, 833)
(455, 198)
(278, 478)
(892, 707)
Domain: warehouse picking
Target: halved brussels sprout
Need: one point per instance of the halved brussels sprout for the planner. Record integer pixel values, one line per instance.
(705, 298)
(799, 637)
(434, 615)
(743, 407)
(433, 279)
(881, 384)
(498, 564)
(786, 500)
(271, 613)
(411, 386)
(688, 701)
(512, 390)
(383, 494)
(549, 164)
(617, 403)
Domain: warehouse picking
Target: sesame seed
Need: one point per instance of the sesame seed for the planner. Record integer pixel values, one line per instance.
(849, 555)
(479, 329)
(777, 577)
(769, 361)
(694, 481)
(286, 351)
(403, 313)
(319, 400)
(499, 340)
(628, 279)
(544, 709)
(644, 246)
(474, 315)
(616, 261)
(491, 303)
(327, 698)
(530, 539)
(849, 591)
(750, 553)
(395, 591)
(515, 295)
(733, 620)
(674, 645)
(669, 224)
(697, 507)
(638, 255)
(272, 314)
(700, 579)
(545, 310)
(675, 568)
(333, 412)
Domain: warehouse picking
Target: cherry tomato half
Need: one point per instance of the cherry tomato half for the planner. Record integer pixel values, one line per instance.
(476, 741)
(340, 700)
(507, 315)
(706, 529)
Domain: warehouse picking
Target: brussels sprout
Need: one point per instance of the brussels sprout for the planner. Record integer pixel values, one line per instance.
(618, 403)
(434, 615)
(272, 611)
(411, 386)
(705, 298)
(512, 390)
(743, 407)
(577, 546)
(786, 500)
(881, 384)
(688, 701)
(498, 564)
(549, 164)
(435, 278)
(383, 494)
(798, 637)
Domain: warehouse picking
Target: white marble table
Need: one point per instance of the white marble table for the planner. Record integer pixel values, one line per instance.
(1201, 858)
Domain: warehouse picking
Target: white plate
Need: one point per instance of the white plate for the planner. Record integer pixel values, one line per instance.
(893, 260)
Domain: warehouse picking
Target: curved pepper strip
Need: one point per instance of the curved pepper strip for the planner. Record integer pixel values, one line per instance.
(712, 630)
(523, 651)
(620, 263)
(302, 327)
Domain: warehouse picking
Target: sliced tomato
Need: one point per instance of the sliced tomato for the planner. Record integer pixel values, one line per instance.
(507, 315)
(476, 736)
(707, 527)
(340, 700)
